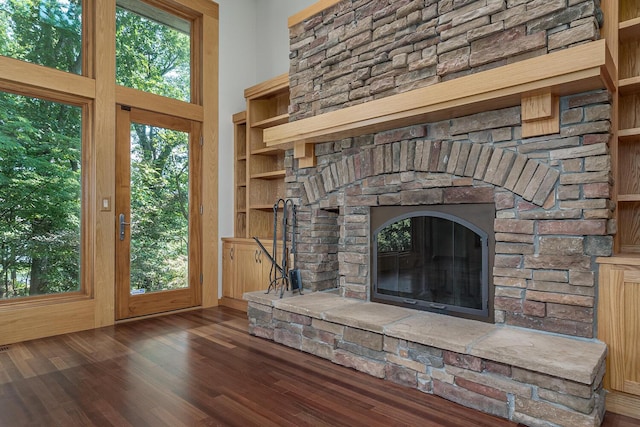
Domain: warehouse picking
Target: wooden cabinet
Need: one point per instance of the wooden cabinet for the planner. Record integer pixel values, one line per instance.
(628, 137)
(267, 106)
(229, 288)
(619, 327)
(249, 271)
(245, 268)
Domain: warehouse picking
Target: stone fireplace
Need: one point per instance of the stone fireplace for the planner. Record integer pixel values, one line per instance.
(533, 358)
(551, 199)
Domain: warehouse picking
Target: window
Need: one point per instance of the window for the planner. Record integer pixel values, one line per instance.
(153, 50)
(44, 32)
(58, 109)
(40, 196)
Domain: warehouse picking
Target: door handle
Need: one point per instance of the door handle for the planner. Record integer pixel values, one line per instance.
(122, 225)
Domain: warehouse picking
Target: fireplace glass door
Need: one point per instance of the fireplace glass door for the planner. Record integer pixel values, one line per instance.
(432, 261)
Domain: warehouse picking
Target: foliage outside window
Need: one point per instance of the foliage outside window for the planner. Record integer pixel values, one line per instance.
(44, 32)
(40, 155)
(395, 237)
(40, 196)
(159, 208)
(153, 56)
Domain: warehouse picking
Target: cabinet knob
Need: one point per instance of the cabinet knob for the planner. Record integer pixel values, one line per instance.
(231, 253)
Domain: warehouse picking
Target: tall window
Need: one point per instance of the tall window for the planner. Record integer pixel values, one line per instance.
(40, 155)
(58, 133)
(40, 196)
(44, 32)
(153, 50)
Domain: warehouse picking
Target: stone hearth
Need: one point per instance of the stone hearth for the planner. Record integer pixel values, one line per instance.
(530, 377)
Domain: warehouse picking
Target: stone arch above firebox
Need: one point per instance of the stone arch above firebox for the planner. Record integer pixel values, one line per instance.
(446, 163)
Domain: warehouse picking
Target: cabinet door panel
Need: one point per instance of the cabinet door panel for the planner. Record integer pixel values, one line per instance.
(229, 283)
(618, 326)
(631, 322)
(249, 270)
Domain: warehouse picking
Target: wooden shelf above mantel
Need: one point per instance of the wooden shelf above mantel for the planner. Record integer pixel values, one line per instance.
(277, 84)
(574, 70)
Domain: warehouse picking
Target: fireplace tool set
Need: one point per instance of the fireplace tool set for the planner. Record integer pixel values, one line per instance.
(283, 276)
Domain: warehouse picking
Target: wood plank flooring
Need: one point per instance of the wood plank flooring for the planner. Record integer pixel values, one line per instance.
(201, 368)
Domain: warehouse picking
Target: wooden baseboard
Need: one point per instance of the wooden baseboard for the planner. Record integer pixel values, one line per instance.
(623, 404)
(151, 316)
(237, 304)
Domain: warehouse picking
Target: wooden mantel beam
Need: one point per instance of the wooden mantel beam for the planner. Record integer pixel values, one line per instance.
(574, 70)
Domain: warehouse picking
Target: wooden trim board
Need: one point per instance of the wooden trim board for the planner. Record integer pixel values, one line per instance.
(280, 82)
(623, 404)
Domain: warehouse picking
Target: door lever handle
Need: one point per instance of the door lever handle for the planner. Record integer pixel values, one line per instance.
(122, 225)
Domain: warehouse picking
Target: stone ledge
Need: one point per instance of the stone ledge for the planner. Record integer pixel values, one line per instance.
(568, 358)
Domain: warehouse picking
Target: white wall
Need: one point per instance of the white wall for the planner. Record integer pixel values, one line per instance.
(254, 46)
(237, 62)
(273, 39)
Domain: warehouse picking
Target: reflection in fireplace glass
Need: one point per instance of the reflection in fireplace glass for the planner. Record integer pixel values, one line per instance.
(430, 259)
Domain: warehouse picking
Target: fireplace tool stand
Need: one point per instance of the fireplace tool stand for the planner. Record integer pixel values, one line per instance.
(281, 278)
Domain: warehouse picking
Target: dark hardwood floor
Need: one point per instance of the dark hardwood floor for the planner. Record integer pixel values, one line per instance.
(201, 368)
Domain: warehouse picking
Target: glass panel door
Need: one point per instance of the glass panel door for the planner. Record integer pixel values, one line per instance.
(157, 219)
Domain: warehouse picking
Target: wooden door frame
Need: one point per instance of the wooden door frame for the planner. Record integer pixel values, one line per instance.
(128, 306)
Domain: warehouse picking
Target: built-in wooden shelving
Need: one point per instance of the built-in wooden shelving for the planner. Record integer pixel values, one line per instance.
(628, 129)
(630, 29)
(264, 207)
(267, 106)
(272, 121)
(619, 275)
(629, 85)
(267, 151)
(629, 134)
(240, 176)
(269, 175)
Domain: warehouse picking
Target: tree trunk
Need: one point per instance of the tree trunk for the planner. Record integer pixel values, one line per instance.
(37, 282)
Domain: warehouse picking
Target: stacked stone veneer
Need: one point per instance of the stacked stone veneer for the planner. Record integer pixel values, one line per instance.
(360, 50)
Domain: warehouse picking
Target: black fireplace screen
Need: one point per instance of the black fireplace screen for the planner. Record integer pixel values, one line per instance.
(432, 261)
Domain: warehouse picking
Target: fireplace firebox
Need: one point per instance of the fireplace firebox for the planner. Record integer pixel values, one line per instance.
(435, 258)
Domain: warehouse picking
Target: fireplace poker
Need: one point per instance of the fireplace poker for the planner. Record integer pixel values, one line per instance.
(295, 279)
(280, 276)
